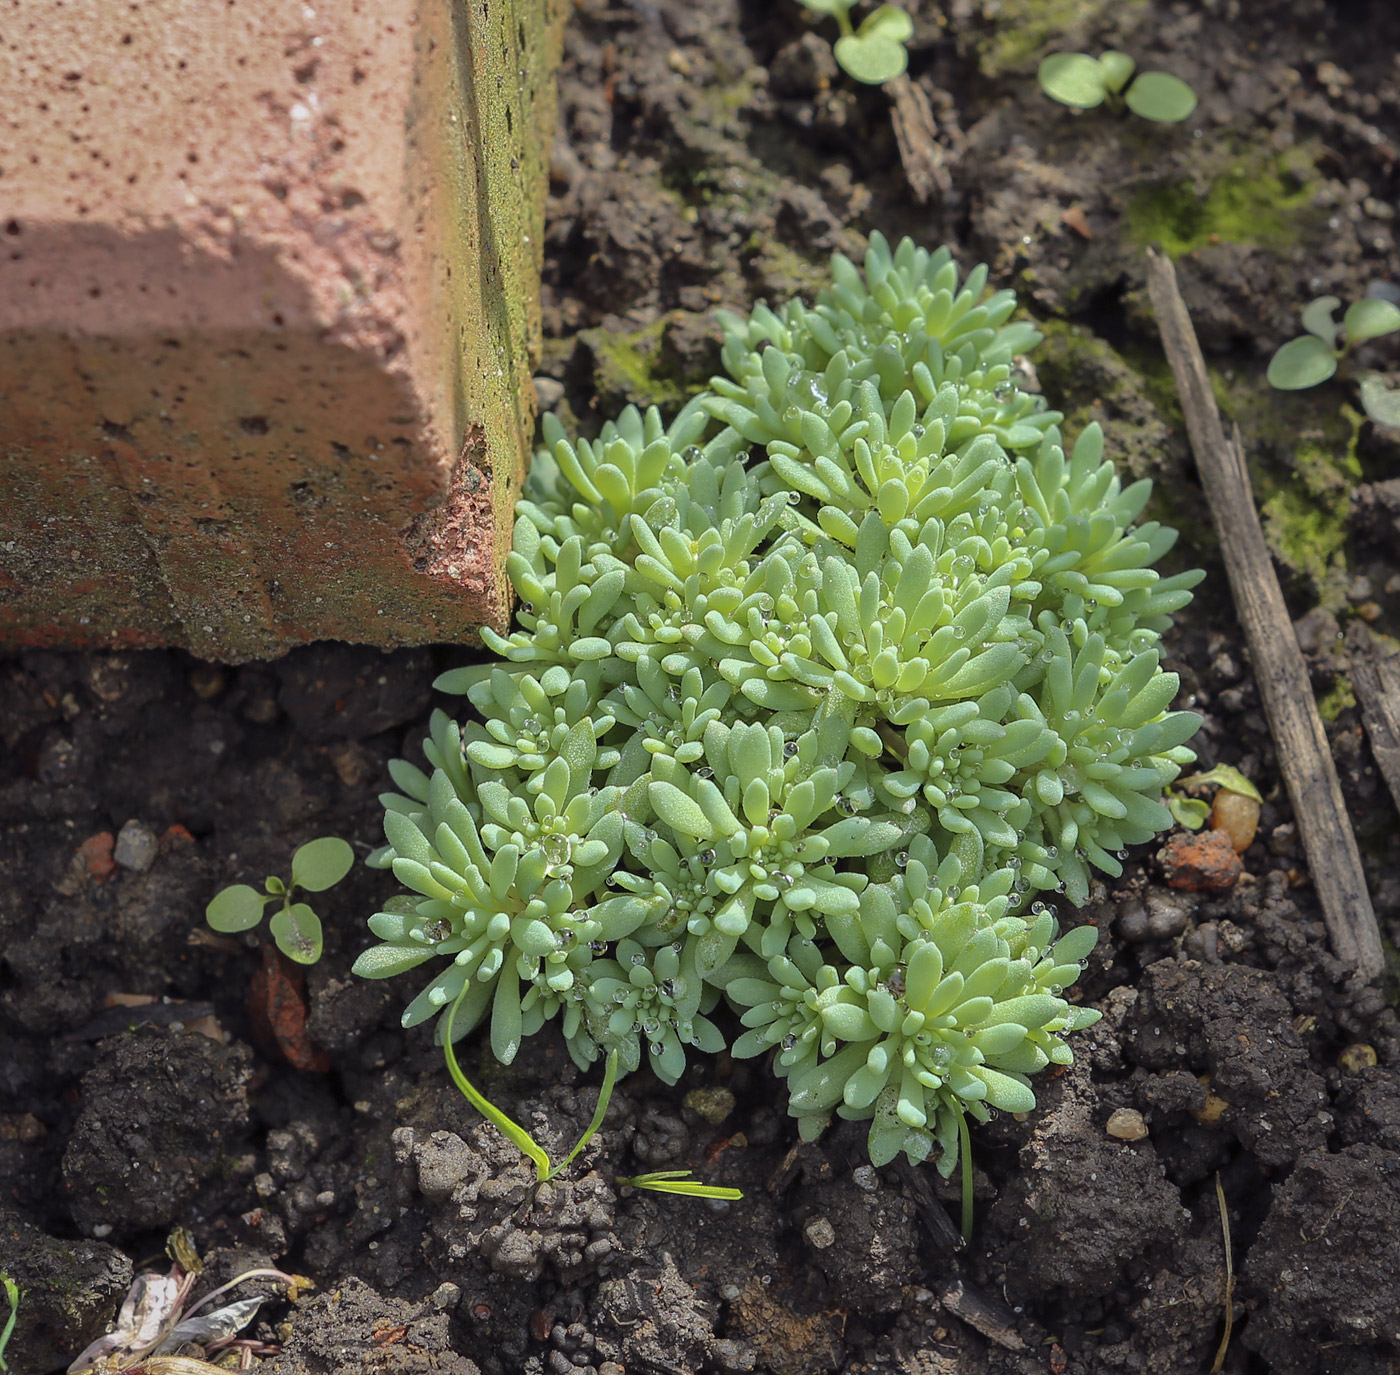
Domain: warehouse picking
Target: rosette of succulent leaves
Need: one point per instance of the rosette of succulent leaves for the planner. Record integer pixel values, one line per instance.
(813, 692)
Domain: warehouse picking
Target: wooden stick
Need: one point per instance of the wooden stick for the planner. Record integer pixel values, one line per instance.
(916, 133)
(1303, 752)
(1375, 675)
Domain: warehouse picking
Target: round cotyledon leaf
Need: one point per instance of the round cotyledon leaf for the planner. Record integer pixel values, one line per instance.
(319, 864)
(872, 59)
(1160, 97)
(239, 908)
(1300, 363)
(297, 931)
(1074, 79)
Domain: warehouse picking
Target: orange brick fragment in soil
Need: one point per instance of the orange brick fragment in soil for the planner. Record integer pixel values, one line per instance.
(268, 300)
(1204, 862)
(277, 1007)
(96, 853)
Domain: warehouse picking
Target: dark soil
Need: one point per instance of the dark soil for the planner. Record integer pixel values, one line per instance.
(710, 154)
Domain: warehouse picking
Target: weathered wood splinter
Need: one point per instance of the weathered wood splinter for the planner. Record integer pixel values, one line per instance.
(1304, 755)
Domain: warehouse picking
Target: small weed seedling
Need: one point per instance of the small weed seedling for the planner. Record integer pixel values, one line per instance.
(12, 1296)
(1193, 813)
(873, 53)
(1315, 356)
(316, 866)
(661, 1181)
(1085, 82)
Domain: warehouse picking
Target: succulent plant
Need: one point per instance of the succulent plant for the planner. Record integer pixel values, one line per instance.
(812, 693)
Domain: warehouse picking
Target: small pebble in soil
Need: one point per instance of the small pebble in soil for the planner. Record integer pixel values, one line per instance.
(1355, 1058)
(1126, 1124)
(865, 1177)
(819, 1233)
(136, 847)
(207, 681)
(1236, 815)
(711, 1104)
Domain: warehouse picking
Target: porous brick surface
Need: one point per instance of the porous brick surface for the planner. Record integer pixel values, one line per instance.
(268, 274)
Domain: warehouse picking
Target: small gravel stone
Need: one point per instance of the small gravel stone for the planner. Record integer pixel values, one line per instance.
(712, 1104)
(1127, 1125)
(1356, 1058)
(548, 393)
(820, 1233)
(865, 1177)
(136, 847)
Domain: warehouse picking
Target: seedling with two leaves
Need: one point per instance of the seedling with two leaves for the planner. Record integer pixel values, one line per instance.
(1085, 82)
(874, 53)
(1317, 355)
(316, 866)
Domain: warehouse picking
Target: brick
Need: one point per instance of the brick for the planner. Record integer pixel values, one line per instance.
(268, 300)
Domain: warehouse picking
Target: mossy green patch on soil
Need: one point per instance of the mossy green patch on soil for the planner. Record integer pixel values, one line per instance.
(1337, 699)
(629, 368)
(1024, 27)
(1253, 201)
(1303, 466)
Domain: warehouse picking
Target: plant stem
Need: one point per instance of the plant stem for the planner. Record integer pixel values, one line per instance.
(965, 1155)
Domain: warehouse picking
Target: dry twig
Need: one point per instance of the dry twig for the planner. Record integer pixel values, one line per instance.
(916, 132)
(1375, 675)
(1303, 752)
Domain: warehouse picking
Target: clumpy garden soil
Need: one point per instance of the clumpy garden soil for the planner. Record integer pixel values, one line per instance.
(710, 154)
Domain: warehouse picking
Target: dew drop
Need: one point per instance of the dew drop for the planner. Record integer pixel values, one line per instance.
(657, 1048)
(638, 959)
(790, 749)
(668, 987)
(692, 454)
(902, 858)
(597, 947)
(788, 1041)
(706, 857)
(619, 997)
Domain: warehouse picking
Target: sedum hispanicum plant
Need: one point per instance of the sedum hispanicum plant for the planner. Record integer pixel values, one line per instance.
(1314, 357)
(1084, 82)
(814, 693)
(874, 53)
(316, 866)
